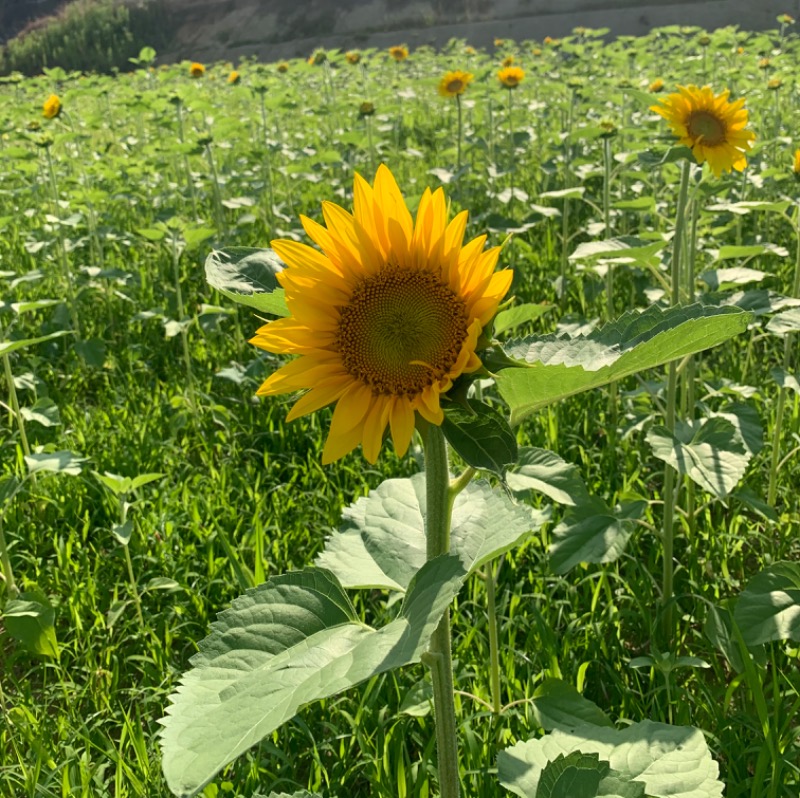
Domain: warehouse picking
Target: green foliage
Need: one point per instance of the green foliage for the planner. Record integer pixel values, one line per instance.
(87, 36)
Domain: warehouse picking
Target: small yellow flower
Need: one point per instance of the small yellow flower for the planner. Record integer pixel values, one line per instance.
(773, 84)
(499, 42)
(399, 52)
(469, 50)
(319, 56)
(764, 63)
(197, 70)
(507, 61)
(454, 83)
(283, 67)
(384, 316)
(796, 165)
(234, 78)
(511, 77)
(656, 86)
(352, 56)
(740, 50)
(548, 40)
(712, 127)
(366, 109)
(786, 19)
(52, 107)
(536, 51)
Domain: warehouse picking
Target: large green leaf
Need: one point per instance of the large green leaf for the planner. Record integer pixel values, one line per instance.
(7, 347)
(666, 761)
(711, 452)
(593, 532)
(290, 641)
(381, 542)
(552, 368)
(247, 275)
(558, 705)
(626, 249)
(480, 435)
(769, 607)
(30, 619)
(544, 471)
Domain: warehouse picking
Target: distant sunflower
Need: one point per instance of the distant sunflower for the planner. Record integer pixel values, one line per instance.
(507, 61)
(454, 83)
(511, 76)
(399, 52)
(197, 70)
(796, 165)
(352, 56)
(283, 67)
(384, 318)
(52, 107)
(712, 127)
(656, 86)
(234, 78)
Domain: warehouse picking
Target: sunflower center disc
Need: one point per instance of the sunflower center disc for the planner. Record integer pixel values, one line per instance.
(401, 331)
(455, 86)
(707, 127)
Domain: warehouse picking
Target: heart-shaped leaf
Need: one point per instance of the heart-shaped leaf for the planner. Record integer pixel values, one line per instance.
(247, 275)
(769, 607)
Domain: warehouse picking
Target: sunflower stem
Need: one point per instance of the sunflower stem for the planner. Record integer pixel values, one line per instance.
(439, 658)
(668, 534)
(511, 144)
(494, 644)
(458, 138)
(12, 393)
(5, 561)
(612, 388)
(772, 491)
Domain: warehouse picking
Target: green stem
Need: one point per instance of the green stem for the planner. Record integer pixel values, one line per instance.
(772, 491)
(511, 142)
(220, 211)
(439, 658)
(612, 388)
(458, 138)
(62, 248)
(5, 561)
(123, 514)
(494, 647)
(668, 539)
(187, 359)
(186, 166)
(12, 393)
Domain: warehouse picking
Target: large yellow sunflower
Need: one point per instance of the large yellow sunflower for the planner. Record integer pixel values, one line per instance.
(712, 127)
(454, 83)
(796, 164)
(511, 76)
(384, 318)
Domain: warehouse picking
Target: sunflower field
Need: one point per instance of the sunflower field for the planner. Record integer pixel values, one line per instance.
(377, 333)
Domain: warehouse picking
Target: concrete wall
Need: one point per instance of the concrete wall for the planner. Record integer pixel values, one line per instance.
(276, 29)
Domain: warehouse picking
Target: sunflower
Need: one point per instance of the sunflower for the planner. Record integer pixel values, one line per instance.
(52, 107)
(197, 70)
(511, 76)
(234, 78)
(352, 56)
(454, 83)
(714, 128)
(507, 61)
(384, 318)
(796, 165)
(283, 67)
(656, 86)
(399, 52)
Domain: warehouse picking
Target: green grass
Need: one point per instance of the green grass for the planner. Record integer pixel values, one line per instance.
(244, 495)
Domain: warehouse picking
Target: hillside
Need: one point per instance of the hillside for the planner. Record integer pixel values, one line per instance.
(270, 29)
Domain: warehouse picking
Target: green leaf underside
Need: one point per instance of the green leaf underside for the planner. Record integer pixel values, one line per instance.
(480, 435)
(710, 452)
(646, 760)
(769, 607)
(593, 532)
(627, 249)
(381, 541)
(544, 471)
(247, 276)
(554, 368)
(290, 641)
(30, 619)
(786, 322)
(55, 462)
(558, 705)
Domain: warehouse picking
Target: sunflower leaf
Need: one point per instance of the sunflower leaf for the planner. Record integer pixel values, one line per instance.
(290, 641)
(381, 542)
(480, 435)
(248, 276)
(644, 759)
(551, 368)
(769, 607)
